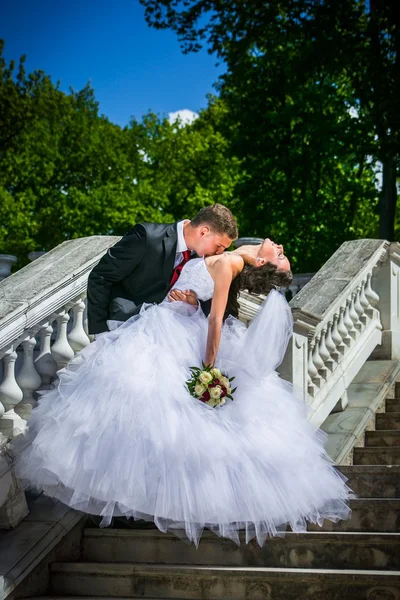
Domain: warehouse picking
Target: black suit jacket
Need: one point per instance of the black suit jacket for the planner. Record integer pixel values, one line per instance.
(135, 270)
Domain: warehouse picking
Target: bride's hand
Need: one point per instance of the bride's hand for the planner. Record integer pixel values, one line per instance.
(187, 296)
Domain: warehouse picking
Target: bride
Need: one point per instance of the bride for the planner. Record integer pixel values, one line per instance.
(120, 435)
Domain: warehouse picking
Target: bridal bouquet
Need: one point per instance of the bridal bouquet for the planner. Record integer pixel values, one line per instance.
(210, 385)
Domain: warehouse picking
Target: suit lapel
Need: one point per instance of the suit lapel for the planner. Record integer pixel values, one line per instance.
(169, 243)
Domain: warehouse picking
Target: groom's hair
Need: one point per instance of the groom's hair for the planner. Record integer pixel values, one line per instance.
(218, 218)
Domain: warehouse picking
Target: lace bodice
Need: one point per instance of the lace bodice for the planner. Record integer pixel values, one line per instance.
(196, 277)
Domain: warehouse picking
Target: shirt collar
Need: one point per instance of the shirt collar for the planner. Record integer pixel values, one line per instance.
(181, 244)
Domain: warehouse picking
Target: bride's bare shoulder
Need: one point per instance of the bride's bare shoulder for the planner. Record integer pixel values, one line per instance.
(224, 263)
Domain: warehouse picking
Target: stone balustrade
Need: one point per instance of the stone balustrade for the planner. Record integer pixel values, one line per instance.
(42, 306)
(41, 328)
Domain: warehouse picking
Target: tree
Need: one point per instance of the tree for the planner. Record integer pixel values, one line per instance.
(66, 171)
(184, 166)
(329, 43)
(380, 94)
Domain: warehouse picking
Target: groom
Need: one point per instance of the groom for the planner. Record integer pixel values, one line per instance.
(147, 261)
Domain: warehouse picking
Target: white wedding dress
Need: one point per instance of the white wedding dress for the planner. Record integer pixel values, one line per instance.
(121, 435)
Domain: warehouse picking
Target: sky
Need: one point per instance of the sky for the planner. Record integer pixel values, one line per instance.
(132, 67)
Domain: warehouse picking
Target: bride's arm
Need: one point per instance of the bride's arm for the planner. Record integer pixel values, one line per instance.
(223, 274)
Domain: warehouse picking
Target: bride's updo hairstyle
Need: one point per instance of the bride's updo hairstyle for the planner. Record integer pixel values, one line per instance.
(256, 280)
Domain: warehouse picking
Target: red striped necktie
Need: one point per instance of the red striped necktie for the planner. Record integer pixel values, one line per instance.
(178, 268)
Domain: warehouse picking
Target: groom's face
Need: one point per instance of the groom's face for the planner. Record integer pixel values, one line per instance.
(208, 243)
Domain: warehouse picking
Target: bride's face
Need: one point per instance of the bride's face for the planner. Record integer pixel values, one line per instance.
(268, 251)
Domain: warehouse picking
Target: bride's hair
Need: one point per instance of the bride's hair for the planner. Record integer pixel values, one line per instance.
(256, 280)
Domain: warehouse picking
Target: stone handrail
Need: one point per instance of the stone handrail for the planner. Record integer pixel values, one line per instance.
(48, 291)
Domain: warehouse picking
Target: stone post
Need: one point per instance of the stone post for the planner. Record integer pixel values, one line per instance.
(294, 367)
(386, 282)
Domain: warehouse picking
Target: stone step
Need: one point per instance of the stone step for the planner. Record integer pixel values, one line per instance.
(383, 437)
(220, 583)
(389, 420)
(376, 456)
(380, 515)
(314, 550)
(392, 405)
(368, 515)
(376, 481)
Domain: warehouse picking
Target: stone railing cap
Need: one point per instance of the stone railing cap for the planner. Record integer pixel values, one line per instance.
(318, 295)
(55, 268)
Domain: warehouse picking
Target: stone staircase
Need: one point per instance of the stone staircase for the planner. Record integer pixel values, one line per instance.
(356, 559)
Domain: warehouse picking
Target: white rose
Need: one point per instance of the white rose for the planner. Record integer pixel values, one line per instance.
(199, 389)
(212, 403)
(225, 382)
(216, 372)
(205, 377)
(216, 392)
(222, 401)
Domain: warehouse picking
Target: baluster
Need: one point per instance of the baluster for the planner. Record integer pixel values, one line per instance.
(323, 351)
(10, 395)
(61, 350)
(330, 345)
(45, 364)
(342, 329)
(311, 387)
(353, 314)
(359, 308)
(336, 337)
(77, 337)
(348, 322)
(28, 379)
(364, 303)
(363, 299)
(312, 371)
(371, 296)
(317, 360)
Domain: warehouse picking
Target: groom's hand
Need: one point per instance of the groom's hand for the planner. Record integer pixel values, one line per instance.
(187, 296)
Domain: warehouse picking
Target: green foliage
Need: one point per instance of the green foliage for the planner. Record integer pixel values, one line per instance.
(294, 70)
(307, 106)
(67, 172)
(309, 177)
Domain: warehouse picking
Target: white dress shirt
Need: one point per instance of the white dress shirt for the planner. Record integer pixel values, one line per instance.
(181, 244)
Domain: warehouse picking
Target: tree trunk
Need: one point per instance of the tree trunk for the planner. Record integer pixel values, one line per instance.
(388, 201)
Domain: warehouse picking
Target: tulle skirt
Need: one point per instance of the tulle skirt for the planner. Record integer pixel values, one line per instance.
(120, 435)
